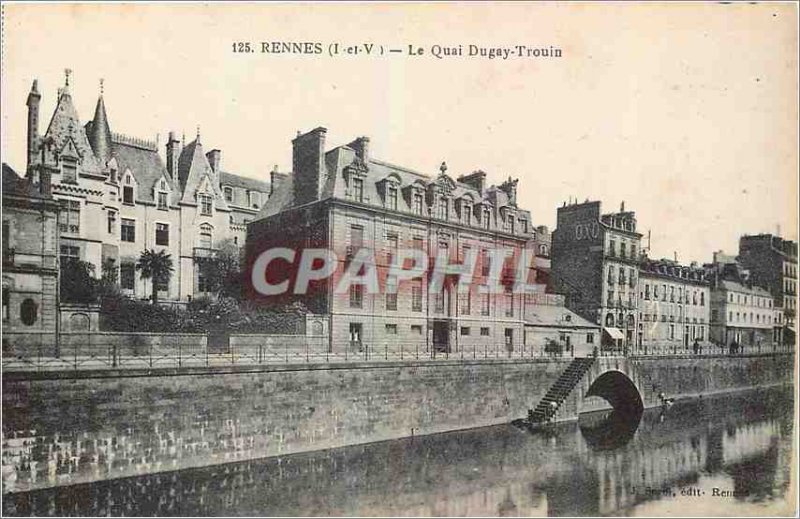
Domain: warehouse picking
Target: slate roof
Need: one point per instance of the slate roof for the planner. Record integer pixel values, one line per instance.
(14, 185)
(146, 166)
(234, 180)
(66, 125)
(554, 316)
(339, 158)
(193, 168)
(738, 287)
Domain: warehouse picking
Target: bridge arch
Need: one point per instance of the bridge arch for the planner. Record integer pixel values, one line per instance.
(616, 388)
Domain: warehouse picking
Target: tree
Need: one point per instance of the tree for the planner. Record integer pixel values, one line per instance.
(156, 266)
(223, 271)
(78, 284)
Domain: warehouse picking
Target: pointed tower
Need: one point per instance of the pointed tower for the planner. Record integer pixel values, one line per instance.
(34, 98)
(100, 133)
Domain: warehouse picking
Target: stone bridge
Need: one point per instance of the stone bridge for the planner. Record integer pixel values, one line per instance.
(630, 384)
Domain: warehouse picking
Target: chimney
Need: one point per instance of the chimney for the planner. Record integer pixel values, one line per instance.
(33, 120)
(509, 187)
(275, 179)
(214, 157)
(476, 180)
(361, 147)
(308, 165)
(173, 152)
(45, 183)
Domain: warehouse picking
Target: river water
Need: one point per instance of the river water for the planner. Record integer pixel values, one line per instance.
(723, 456)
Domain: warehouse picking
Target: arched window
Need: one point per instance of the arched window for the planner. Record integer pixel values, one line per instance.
(610, 320)
(28, 312)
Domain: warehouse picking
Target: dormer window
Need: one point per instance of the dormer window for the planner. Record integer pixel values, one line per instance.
(358, 189)
(69, 170)
(162, 200)
(206, 205)
(127, 190)
(228, 194)
(253, 199)
(391, 196)
(417, 203)
(487, 218)
(466, 212)
(443, 208)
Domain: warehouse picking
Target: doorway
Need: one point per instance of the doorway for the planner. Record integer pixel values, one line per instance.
(441, 336)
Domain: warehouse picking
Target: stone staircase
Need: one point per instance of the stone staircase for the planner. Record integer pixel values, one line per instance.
(559, 391)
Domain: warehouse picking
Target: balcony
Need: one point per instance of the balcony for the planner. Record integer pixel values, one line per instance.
(204, 253)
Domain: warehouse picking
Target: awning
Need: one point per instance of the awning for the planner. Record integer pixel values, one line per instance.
(614, 333)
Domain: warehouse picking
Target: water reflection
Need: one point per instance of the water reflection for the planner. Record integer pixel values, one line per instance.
(609, 430)
(739, 443)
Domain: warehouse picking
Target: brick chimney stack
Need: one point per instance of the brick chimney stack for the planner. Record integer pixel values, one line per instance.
(308, 165)
(173, 152)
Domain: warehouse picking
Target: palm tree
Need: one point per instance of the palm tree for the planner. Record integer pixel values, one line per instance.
(156, 266)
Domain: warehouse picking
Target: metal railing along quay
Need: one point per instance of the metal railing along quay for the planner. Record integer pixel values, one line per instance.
(167, 352)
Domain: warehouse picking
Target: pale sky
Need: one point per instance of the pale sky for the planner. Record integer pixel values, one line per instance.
(687, 112)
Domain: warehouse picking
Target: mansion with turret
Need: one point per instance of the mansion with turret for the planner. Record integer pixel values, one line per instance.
(117, 196)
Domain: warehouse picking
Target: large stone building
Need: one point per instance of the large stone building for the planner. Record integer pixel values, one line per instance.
(772, 262)
(119, 197)
(595, 262)
(346, 200)
(674, 307)
(30, 262)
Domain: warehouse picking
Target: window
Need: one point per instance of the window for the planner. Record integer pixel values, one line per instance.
(463, 301)
(485, 262)
(647, 291)
(70, 171)
(70, 252)
(356, 296)
(391, 197)
(663, 292)
(356, 237)
(228, 194)
(509, 303)
(672, 294)
(391, 329)
(28, 312)
(672, 332)
(355, 333)
(416, 329)
(127, 276)
(254, 199)
(162, 234)
(485, 303)
(205, 204)
(112, 222)
(69, 218)
(127, 192)
(633, 251)
(623, 249)
(443, 208)
(438, 302)
(611, 298)
(487, 218)
(589, 338)
(391, 243)
(612, 248)
(205, 236)
(466, 213)
(6, 303)
(162, 200)
(358, 189)
(416, 296)
(485, 331)
(465, 330)
(417, 205)
(391, 294)
(202, 283)
(128, 230)
(162, 284)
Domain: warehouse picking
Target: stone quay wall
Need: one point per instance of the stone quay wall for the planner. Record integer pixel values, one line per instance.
(77, 427)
